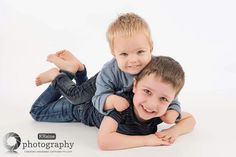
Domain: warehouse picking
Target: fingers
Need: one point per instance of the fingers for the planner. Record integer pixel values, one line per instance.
(165, 143)
(160, 134)
(166, 137)
(172, 140)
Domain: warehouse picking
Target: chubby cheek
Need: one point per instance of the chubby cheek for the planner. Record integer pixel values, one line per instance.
(121, 64)
(147, 59)
(138, 99)
(162, 110)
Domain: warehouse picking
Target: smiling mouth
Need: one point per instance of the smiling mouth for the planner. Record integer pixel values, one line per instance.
(134, 66)
(148, 110)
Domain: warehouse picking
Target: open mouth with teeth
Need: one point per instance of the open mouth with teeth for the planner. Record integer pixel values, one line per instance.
(148, 111)
(134, 66)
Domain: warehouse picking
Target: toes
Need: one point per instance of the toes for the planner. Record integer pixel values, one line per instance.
(37, 81)
(50, 57)
(60, 53)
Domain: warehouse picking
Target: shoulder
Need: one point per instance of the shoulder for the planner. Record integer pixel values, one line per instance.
(110, 64)
(110, 69)
(120, 117)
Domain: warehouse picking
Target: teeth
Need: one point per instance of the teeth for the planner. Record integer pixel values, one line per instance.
(147, 110)
(133, 66)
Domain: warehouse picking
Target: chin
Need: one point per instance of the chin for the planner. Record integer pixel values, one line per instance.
(133, 72)
(146, 117)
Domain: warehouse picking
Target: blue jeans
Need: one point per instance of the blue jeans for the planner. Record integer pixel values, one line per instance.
(51, 107)
(78, 93)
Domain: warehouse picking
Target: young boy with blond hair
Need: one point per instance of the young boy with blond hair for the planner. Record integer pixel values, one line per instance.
(131, 44)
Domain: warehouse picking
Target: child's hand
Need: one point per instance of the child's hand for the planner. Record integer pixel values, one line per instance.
(117, 102)
(170, 116)
(120, 103)
(154, 140)
(169, 135)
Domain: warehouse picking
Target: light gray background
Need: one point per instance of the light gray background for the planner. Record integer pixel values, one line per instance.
(199, 34)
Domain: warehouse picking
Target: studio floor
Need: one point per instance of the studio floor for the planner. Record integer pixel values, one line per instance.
(214, 134)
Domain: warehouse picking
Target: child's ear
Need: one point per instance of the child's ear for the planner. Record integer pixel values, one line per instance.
(134, 85)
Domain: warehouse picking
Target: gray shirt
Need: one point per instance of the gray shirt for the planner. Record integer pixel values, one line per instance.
(111, 80)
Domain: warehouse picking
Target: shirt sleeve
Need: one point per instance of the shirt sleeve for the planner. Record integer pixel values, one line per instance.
(175, 105)
(116, 116)
(105, 86)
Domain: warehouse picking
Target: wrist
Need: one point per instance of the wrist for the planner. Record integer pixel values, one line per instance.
(177, 130)
(145, 141)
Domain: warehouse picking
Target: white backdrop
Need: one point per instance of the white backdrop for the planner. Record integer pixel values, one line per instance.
(201, 35)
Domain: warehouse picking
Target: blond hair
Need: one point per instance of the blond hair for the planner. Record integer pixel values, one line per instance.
(128, 24)
(168, 69)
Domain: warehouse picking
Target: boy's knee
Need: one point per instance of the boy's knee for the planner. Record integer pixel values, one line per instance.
(34, 114)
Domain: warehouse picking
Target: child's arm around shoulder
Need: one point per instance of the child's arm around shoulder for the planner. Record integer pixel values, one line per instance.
(173, 113)
(109, 139)
(106, 83)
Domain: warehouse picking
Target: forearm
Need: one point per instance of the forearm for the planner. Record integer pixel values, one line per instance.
(185, 125)
(114, 141)
(110, 139)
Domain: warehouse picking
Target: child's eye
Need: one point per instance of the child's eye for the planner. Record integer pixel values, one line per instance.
(140, 52)
(123, 54)
(164, 99)
(148, 92)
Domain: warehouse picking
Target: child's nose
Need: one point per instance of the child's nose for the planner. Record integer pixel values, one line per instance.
(154, 104)
(133, 59)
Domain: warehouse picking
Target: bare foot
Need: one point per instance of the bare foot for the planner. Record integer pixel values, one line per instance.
(62, 64)
(46, 76)
(68, 56)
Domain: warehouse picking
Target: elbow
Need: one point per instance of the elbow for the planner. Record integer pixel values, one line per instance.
(192, 118)
(103, 143)
(192, 121)
(102, 146)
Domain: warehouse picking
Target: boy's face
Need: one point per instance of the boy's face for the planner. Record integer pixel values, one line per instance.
(132, 53)
(152, 97)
